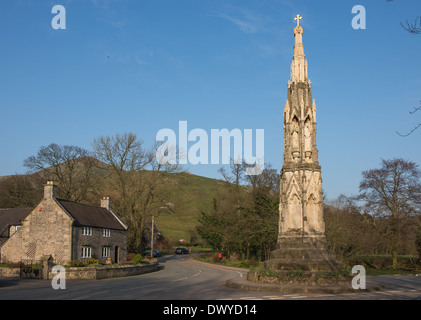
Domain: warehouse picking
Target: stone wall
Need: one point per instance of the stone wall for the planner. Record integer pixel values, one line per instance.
(105, 272)
(10, 272)
(23, 272)
(87, 273)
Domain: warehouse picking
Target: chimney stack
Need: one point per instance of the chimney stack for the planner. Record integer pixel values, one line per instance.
(50, 190)
(106, 203)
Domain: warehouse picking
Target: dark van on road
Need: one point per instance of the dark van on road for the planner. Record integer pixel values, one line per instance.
(181, 251)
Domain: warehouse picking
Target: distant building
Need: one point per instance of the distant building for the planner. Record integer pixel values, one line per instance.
(64, 229)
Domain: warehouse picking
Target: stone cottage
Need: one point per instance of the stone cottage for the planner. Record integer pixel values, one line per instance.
(64, 229)
(11, 221)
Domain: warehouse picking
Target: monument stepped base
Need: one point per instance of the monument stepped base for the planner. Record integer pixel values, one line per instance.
(300, 265)
(244, 284)
(300, 278)
(303, 254)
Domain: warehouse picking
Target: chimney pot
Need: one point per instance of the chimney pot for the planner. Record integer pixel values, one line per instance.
(106, 203)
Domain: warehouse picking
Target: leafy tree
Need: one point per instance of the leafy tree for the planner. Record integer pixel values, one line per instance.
(243, 220)
(211, 230)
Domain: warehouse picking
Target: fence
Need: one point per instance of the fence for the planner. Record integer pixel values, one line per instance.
(30, 269)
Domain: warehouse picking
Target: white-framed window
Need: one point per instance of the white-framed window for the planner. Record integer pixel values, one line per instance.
(106, 252)
(87, 231)
(86, 252)
(106, 233)
(14, 229)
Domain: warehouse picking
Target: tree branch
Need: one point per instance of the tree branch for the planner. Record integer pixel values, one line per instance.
(413, 28)
(416, 127)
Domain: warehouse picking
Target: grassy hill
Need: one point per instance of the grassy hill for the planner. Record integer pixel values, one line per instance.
(200, 192)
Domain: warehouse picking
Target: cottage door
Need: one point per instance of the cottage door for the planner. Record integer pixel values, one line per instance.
(117, 255)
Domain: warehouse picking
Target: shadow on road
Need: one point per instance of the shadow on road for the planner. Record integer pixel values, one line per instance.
(9, 282)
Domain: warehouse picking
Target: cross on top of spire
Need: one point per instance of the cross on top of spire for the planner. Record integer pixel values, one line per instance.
(298, 18)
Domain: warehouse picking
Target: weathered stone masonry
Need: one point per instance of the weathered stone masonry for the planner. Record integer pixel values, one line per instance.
(58, 227)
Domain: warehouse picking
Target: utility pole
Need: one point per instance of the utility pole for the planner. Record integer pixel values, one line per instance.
(152, 227)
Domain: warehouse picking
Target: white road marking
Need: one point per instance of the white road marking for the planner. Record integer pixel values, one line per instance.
(200, 271)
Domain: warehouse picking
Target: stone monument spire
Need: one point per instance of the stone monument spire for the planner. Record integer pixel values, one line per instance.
(301, 224)
(301, 262)
(299, 63)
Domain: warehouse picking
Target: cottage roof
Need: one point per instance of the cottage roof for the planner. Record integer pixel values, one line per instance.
(91, 216)
(13, 216)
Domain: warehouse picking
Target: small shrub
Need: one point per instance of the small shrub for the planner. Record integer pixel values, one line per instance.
(75, 263)
(137, 259)
(216, 259)
(296, 273)
(14, 264)
(271, 273)
(92, 261)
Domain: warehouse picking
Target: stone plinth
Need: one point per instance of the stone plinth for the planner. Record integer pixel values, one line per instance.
(326, 284)
(300, 278)
(302, 262)
(303, 253)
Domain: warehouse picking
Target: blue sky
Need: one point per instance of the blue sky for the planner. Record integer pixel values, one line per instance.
(141, 66)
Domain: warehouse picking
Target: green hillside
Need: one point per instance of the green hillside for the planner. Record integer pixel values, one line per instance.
(199, 193)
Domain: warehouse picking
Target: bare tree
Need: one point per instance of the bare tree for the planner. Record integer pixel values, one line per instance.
(350, 231)
(18, 191)
(71, 167)
(392, 192)
(411, 27)
(414, 28)
(143, 186)
(233, 178)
